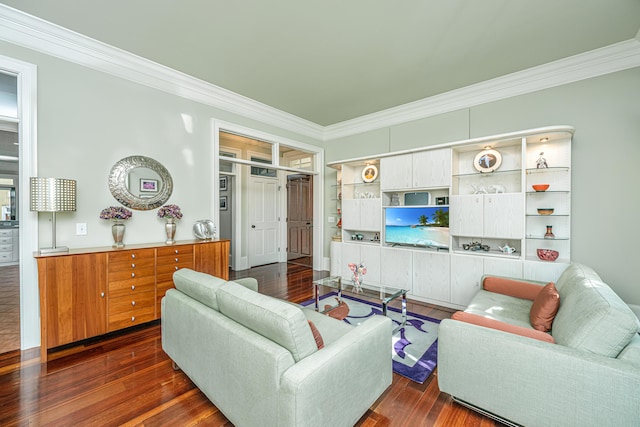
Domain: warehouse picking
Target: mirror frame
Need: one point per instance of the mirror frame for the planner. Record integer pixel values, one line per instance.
(118, 183)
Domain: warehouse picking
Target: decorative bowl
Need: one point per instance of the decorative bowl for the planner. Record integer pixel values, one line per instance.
(540, 187)
(204, 229)
(547, 254)
(545, 211)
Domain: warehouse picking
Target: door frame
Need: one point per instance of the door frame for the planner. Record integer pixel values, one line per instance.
(318, 182)
(28, 236)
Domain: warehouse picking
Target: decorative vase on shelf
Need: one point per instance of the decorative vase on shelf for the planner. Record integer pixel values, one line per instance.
(117, 229)
(170, 228)
(549, 234)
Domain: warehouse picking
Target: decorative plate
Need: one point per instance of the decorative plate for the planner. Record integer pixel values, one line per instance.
(487, 161)
(369, 173)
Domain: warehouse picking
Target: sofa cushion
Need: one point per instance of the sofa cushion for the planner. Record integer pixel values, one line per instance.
(544, 308)
(277, 320)
(591, 316)
(199, 286)
(501, 307)
(330, 328)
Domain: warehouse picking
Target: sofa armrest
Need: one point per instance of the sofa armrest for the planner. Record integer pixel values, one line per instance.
(535, 383)
(349, 374)
(502, 326)
(518, 288)
(248, 282)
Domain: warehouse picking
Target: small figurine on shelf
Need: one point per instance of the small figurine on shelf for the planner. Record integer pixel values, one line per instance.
(541, 163)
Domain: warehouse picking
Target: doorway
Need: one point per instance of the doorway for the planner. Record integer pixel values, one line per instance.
(300, 219)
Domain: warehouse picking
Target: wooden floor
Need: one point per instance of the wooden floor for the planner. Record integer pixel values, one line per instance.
(128, 380)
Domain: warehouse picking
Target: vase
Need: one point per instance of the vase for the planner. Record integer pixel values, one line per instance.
(357, 283)
(170, 228)
(117, 229)
(549, 234)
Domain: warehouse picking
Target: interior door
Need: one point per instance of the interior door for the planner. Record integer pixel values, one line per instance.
(300, 219)
(263, 221)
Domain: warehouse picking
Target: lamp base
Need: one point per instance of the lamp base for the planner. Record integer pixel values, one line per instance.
(53, 250)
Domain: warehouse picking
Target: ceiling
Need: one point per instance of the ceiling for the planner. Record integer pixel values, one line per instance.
(333, 60)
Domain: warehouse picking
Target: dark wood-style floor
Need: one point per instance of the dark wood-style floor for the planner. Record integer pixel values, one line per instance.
(128, 380)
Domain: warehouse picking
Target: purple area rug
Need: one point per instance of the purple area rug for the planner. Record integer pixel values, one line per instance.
(415, 346)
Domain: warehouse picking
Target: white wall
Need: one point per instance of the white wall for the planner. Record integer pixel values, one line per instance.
(606, 153)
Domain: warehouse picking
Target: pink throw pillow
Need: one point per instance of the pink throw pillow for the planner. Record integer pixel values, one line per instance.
(544, 308)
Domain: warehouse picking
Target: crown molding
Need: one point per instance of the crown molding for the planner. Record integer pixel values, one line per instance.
(609, 59)
(34, 33)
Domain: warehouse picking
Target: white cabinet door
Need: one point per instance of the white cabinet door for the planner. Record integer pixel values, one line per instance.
(397, 265)
(370, 214)
(432, 169)
(466, 273)
(544, 271)
(503, 267)
(395, 172)
(351, 214)
(504, 215)
(367, 254)
(466, 215)
(432, 275)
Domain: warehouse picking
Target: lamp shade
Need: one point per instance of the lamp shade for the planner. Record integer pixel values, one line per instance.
(53, 194)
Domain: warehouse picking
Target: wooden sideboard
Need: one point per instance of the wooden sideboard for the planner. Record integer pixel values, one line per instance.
(89, 292)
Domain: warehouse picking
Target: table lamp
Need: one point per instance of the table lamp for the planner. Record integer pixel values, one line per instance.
(53, 195)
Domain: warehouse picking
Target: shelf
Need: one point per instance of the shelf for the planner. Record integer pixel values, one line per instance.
(363, 184)
(546, 216)
(557, 261)
(491, 253)
(548, 240)
(547, 170)
(549, 192)
(494, 173)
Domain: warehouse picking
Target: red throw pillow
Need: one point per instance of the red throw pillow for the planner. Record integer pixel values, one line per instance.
(544, 308)
(316, 335)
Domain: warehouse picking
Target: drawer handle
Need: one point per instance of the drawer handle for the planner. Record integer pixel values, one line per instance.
(101, 294)
(133, 318)
(177, 260)
(133, 265)
(176, 251)
(133, 287)
(177, 268)
(133, 274)
(133, 303)
(133, 256)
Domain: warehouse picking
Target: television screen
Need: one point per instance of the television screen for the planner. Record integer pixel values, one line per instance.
(424, 226)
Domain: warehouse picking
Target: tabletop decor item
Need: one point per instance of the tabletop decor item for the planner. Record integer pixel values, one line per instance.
(117, 214)
(204, 229)
(358, 270)
(540, 187)
(541, 163)
(369, 173)
(487, 160)
(545, 211)
(170, 213)
(547, 254)
(549, 234)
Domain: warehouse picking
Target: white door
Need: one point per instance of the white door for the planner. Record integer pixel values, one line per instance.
(263, 221)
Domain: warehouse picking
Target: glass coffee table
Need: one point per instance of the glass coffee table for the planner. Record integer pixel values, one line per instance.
(381, 293)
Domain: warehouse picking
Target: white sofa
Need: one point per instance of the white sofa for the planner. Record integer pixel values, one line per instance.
(256, 359)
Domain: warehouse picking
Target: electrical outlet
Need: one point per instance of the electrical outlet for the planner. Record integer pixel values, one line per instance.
(81, 229)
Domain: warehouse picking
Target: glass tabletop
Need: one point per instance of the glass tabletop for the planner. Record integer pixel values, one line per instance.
(383, 292)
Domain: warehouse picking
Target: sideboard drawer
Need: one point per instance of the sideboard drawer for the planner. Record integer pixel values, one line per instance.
(6, 248)
(175, 250)
(6, 240)
(134, 254)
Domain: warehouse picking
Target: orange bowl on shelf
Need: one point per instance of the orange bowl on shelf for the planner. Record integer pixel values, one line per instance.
(545, 211)
(547, 254)
(540, 187)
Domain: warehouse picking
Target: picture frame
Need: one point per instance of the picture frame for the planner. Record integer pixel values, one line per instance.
(369, 173)
(148, 185)
(487, 161)
(223, 183)
(223, 203)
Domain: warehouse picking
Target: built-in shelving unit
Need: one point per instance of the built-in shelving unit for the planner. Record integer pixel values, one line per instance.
(492, 209)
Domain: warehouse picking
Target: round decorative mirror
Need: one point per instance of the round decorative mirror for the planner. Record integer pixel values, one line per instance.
(140, 183)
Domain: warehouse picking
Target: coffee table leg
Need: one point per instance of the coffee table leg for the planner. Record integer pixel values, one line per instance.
(316, 295)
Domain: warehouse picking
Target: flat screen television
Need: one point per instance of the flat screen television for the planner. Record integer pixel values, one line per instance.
(420, 226)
